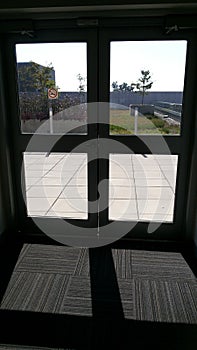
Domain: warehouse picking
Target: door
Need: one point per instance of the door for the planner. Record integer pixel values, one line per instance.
(108, 158)
(147, 131)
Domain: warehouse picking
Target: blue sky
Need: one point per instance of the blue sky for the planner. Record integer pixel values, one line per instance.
(164, 59)
(68, 60)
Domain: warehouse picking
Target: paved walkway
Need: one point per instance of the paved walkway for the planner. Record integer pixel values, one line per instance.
(141, 186)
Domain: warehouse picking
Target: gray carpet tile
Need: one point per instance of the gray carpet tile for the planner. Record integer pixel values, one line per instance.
(123, 262)
(48, 259)
(140, 264)
(160, 265)
(34, 291)
(23, 254)
(81, 287)
(165, 301)
(79, 307)
(141, 285)
(82, 266)
(84, 298)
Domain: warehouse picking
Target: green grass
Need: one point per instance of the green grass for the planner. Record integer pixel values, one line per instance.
(122, 123)
(59, 126)
(115, 129)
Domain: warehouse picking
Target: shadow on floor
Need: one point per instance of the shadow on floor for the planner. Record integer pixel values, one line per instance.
(107, 328)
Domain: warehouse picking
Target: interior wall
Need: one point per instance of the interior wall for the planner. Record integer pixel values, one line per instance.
(192, 207)
(2, 210)
(6, 188)
(191, 214)
(2, 147)
(2, 213)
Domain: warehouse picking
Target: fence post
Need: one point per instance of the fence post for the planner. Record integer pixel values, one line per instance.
(135, 120)
(51, 118)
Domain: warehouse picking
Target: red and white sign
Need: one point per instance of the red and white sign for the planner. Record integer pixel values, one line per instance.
(52, 93)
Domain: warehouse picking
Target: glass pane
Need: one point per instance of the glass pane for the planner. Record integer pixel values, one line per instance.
(52, 87)
(147, 81)
(56, 184)
(142, 187)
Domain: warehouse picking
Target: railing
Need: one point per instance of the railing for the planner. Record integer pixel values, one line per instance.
(171, 110)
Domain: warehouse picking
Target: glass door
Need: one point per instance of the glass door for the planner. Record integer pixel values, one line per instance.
(54, 125)
(147, 131)
(101, 123)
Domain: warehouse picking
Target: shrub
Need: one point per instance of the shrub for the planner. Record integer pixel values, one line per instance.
(159, 123)
(33, 106)
(166, 130)
(36, 106)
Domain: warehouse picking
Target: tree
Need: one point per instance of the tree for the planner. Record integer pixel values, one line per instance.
(81, 80)
(43, 78)
(115, 86)
(35, 78)
(144, 83)
(122, 87)
(25, 80)
(131, 87)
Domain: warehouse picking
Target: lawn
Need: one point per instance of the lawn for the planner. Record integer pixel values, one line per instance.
(59, 126)
(122, 123)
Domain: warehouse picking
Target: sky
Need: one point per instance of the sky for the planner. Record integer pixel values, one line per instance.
(68, 60)
(164, 59)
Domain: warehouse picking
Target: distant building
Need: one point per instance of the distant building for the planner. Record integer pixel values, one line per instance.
(25, 77)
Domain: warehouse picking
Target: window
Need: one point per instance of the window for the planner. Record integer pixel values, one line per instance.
(62, 66)
(146, 87)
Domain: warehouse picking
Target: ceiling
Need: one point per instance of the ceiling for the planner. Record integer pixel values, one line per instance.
(89, 7)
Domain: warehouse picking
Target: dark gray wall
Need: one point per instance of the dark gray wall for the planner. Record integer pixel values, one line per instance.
(127, 98)
(6, 195)
(74, 95)
(2, 213)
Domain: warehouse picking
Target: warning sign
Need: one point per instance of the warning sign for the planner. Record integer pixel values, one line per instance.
(52, 93)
